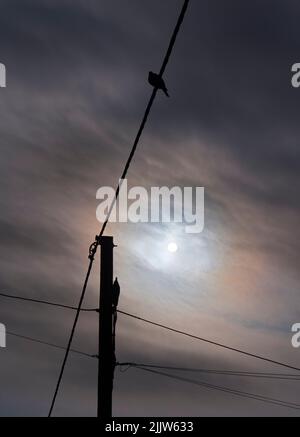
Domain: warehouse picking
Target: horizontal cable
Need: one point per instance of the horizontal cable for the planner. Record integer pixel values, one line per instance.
(46, 302)
(205, 340)
(168, 328)
(235, 392)
(267, 375)
(35, 340)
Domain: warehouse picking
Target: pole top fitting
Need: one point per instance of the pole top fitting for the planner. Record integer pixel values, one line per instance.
(99, 240)
(104, 240)
(93, 249)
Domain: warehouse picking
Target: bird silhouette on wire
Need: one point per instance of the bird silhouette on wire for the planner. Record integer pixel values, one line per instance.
(157, 82)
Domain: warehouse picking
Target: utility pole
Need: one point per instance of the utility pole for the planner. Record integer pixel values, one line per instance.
(106, 351)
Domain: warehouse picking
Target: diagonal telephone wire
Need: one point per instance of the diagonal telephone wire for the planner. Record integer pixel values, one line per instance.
(94, 246)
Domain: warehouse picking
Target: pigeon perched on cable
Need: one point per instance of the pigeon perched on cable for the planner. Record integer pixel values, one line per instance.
(157, 82)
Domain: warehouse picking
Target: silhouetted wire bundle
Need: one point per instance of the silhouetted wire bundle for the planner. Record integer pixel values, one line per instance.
(157, 369)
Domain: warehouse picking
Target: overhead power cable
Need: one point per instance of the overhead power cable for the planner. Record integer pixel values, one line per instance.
(235, 392)
(45, 302)
(94, 246)
(46, 343)
(263, 375)
(176, 331)
(214, 343)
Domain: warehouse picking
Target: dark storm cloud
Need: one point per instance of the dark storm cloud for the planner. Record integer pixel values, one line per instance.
(76, 91)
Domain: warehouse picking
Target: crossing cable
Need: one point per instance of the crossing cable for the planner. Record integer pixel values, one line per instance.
(159, 325)
(45, 302)
(205, 340)
(226, 389)
(145, 366)
(262, 375)
(46, 343)
(94, 246)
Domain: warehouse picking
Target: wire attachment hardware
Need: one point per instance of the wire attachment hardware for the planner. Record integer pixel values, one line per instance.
(93, 248)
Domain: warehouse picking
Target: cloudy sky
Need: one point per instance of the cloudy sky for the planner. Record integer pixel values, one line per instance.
(76, 91)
